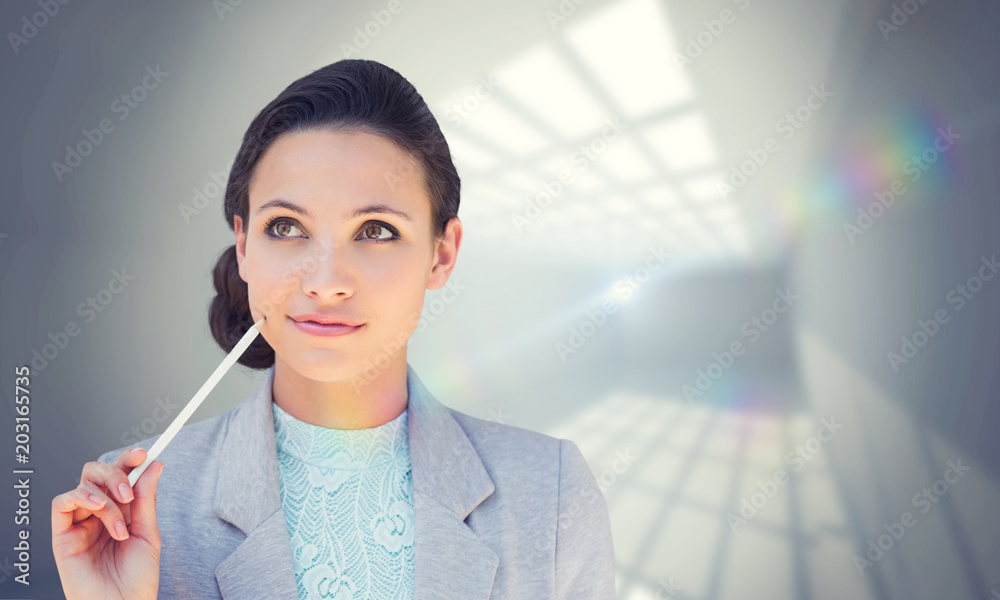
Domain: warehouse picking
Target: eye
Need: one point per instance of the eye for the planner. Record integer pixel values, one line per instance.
(279, 221)
(376, 231)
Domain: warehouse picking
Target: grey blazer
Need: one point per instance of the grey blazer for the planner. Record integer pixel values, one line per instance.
(499, 511)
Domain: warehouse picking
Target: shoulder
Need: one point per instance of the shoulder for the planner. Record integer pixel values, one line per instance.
(511, 452)
(494, 436)
(549, 484)
(500, 442)
(536, 466)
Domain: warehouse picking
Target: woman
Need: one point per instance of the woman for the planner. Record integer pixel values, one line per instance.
(342, 476)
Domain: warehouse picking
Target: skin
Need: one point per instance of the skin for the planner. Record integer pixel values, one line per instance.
(94, 563)
(327, 262)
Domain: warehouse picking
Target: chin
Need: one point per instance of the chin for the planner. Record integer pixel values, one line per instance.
(324, 365)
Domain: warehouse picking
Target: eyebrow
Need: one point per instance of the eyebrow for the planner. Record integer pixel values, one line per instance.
(358, 212)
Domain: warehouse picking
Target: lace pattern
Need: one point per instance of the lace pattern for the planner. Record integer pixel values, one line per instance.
(347, 495)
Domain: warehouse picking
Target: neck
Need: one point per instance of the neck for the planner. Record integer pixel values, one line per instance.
(352, 403)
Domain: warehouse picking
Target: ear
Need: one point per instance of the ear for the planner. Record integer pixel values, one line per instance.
(241, 246)
(445, 255)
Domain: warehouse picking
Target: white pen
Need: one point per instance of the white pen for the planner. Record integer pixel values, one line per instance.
(182, 418)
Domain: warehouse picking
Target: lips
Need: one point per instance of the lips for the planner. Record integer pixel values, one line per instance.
(327, 319)
(326, 325)
(313, 328)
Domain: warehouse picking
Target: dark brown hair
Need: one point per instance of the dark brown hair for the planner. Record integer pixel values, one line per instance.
(348, 95)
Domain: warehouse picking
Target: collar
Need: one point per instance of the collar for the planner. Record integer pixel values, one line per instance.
(449, 481)
(341, 449)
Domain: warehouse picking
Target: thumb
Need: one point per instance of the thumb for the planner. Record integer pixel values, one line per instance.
(143, 506)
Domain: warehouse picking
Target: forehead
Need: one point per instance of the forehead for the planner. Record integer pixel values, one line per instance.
(338, 169)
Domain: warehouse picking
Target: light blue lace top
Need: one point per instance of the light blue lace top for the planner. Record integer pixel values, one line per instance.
(347, 495)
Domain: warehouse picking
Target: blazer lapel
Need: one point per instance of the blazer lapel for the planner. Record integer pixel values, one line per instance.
(449, 481)
(248, 496)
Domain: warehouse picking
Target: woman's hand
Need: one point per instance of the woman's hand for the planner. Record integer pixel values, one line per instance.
(94, 557)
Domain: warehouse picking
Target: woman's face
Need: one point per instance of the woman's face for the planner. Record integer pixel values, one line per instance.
(340, 225)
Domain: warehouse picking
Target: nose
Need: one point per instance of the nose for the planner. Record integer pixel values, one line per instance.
(324, 272)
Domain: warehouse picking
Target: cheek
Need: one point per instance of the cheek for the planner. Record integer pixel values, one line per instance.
(268, 287)
(396, 269)
(401, 274)
(403, 297)
(397, 289)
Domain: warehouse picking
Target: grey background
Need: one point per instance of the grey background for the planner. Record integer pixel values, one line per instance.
(492, 352)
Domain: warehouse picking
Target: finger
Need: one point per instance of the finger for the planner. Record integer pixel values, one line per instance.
(75, 525)
(132, 457)
(109, 514)
(67, 539)
(112, 477)
(87, 524)
(144, 506)
(92, 498)
(127, 461)
(64, 506)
